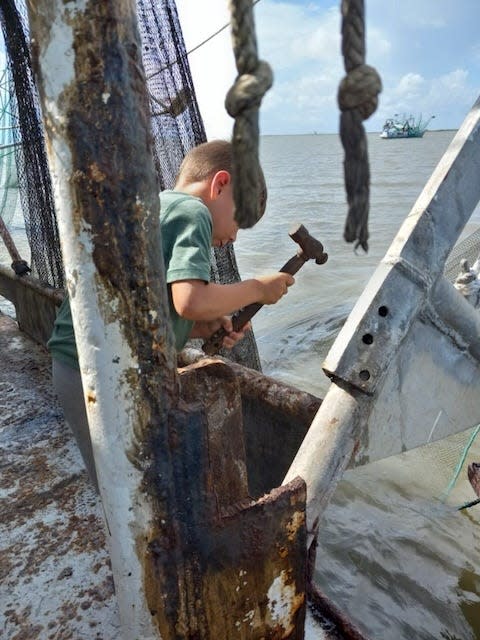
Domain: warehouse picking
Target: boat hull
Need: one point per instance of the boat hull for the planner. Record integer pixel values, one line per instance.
(390, 135)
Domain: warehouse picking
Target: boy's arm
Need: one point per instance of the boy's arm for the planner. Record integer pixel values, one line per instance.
(200, 301)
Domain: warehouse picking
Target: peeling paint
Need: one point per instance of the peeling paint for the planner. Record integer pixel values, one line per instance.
(283, 601)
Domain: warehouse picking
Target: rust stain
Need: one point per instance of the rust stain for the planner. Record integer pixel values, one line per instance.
(96, 173)
(294, 525)
(51, 528)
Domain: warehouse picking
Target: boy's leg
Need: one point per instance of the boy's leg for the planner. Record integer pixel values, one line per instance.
(67, 383)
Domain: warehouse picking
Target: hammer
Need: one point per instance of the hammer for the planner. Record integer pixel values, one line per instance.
(309, 249)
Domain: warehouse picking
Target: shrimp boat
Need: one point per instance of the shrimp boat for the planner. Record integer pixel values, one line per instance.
(213, 477)
(405, 127)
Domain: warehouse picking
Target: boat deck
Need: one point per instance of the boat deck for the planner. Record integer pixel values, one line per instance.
(55, 568)
(56, 576)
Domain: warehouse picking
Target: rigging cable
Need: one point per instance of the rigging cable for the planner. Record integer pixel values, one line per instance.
(213, 35)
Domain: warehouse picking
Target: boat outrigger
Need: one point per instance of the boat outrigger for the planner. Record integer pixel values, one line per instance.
(405, 127)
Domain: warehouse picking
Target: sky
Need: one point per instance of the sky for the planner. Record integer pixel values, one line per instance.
(427, 53)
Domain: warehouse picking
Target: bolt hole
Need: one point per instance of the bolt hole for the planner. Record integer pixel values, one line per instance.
(383, 311)
(367, 338)
(364, 375)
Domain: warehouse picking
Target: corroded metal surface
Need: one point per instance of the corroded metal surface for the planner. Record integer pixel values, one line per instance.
(35, 303)
(276, 418)
(241, 563)
(88, 64)
(56, 580)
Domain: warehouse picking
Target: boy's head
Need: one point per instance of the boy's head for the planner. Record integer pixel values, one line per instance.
(206, 171)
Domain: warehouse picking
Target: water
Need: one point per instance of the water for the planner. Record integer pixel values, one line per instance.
(399, 561)
(402, 563)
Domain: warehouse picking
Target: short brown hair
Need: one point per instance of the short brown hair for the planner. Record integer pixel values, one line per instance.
(206, 159)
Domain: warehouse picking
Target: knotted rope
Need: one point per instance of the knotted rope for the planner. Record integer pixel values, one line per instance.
(242, 103)
(357, 99)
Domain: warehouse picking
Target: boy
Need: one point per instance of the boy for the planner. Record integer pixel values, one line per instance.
(196, 214)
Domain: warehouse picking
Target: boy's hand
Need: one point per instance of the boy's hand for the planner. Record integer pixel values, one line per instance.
(232, 337)
(274, 286)
(204, 329)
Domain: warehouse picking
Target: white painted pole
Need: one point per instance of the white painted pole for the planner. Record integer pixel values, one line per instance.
(90, 79)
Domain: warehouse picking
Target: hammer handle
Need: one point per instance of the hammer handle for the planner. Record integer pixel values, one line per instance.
(240, 318)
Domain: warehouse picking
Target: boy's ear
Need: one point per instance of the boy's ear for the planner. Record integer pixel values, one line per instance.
(219, 181)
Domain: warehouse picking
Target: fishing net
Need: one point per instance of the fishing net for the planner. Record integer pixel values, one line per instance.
(33, 177)
(8, 167)
(176, 126)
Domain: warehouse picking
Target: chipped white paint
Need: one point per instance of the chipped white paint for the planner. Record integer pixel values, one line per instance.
(106, 97)
(105, 358)
(281, 599)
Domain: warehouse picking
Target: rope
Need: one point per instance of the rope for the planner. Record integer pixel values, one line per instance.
(357, 99)
(242, 103)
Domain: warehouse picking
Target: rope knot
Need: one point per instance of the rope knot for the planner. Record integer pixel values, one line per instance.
(359, 89)
(248, 90)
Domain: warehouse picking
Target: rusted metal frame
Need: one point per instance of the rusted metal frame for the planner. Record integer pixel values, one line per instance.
(35, 303)
(276, 418)
(258, 387)
(10, 283)
(250, 561)
(171, 545)
(378, 323)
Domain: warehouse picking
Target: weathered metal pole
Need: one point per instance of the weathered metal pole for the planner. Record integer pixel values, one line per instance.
(89, 70)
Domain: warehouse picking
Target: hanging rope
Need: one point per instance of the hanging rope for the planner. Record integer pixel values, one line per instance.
(357, 99)
(242, 103)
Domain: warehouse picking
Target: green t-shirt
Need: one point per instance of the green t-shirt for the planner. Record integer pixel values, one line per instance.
(186, 229)
(186, 233)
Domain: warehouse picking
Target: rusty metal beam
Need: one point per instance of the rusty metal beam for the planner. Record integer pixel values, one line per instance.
(35, 304)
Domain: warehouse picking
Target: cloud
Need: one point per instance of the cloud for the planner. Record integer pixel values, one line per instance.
(301, 42)
(410, 86)
(290, 34)
(305, 60)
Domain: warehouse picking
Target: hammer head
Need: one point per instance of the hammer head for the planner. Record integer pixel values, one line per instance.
(310, 247)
